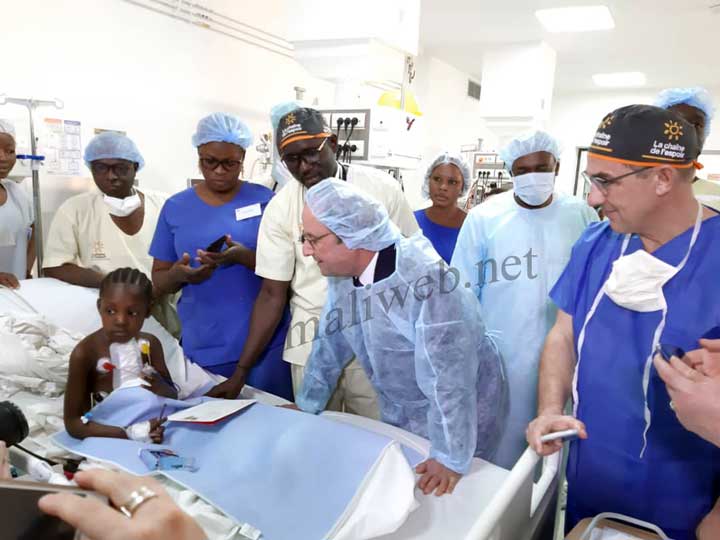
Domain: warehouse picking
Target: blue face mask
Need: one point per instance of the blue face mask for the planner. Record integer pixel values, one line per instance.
(534, 188)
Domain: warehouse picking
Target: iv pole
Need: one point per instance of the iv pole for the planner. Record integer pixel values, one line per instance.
(35, 161)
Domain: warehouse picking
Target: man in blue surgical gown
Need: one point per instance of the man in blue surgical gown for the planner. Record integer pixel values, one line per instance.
(511, 250)
(393, 303)
(646, 277)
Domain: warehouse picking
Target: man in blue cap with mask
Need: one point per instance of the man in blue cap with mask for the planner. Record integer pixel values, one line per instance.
(643, 281)
(512, 249)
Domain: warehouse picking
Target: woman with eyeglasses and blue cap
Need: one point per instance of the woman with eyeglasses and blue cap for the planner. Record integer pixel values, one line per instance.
(204, 246)
(695, 106)
(17, 230)
(446, 180)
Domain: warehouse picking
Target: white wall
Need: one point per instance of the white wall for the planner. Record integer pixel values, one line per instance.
(450, 119)
(575, 118)
(119, 66)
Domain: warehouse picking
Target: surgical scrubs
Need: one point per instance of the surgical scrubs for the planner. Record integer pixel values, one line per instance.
(215, 314)
(442, 238)
(677, 480)
(521, 253)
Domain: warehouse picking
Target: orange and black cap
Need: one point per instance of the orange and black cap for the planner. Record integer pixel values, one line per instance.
(644, 135)
(301, 124)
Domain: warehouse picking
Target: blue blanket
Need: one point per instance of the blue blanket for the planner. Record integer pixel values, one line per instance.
(290, 474)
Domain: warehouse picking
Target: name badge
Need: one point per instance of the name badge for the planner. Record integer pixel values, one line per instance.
(247, 212)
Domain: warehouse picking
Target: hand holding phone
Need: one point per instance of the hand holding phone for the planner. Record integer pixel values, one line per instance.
(216, 246)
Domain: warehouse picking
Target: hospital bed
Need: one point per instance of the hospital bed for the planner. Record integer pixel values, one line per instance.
(490, 503)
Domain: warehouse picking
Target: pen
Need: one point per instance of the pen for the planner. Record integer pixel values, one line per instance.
(567, 434)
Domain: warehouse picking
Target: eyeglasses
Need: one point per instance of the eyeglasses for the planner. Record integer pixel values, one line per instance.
(313, 241)
(603, 184)
(212, 163)
(119, 169)
(309, 157)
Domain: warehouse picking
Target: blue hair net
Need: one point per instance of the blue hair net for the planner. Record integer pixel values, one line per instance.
(7, 128)
(536, 141)
(280, 110)
(280, 172)
(111, 145)
(454, 159)
(696, 97)
(358, 220)
(222, 127)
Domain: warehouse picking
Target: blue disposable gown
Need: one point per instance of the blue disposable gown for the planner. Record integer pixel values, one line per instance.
(522, 253)
(677, 480)
(422, 342)
(442, 238)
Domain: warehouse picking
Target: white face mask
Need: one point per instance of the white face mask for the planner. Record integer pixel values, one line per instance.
(123, 207)
(636, 282)
(534, 188)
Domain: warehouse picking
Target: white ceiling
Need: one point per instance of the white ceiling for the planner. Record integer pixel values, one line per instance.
(675, 42)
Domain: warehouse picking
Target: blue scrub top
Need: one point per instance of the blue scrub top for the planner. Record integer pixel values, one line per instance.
(442, 238)
(677, 481)
(215, 314)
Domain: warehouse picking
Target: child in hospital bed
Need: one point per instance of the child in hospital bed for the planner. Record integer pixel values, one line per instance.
(118, 354)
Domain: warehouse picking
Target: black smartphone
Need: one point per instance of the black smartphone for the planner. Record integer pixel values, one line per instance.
(667, 351)
(23, 520)
(216, 246)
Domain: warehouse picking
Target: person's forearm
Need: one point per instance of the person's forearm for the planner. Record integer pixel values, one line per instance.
(266, 316)
(557, 366)
(75, 275)
(76, 428)
(165, 282)
(247, 259)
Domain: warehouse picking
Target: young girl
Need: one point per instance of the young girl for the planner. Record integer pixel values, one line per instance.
(112, 357)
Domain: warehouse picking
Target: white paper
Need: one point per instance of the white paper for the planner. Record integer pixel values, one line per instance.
(211, 411)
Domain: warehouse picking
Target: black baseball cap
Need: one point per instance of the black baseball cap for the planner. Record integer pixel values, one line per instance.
(300, 124)
(645, 135)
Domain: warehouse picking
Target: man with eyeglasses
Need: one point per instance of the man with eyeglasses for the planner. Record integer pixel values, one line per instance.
(642, 282)
(512, 249)
(94, 233)
(308, 147)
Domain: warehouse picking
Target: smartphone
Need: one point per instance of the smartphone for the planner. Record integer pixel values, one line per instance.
(23, 520)
(216, 246)
(667, 351)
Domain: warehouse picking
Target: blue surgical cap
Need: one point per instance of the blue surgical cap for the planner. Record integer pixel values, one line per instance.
(537, 141)
(112, 145)
(357, 219)
(280, 110)
(7, 128)
(222, 127)
(696, 97)
(454, 159)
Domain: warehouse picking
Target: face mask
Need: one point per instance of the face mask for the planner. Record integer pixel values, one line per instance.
(636, 282)
(123, 207)
(534, 188)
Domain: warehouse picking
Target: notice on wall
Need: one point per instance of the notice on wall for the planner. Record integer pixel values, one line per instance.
(62, 147)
